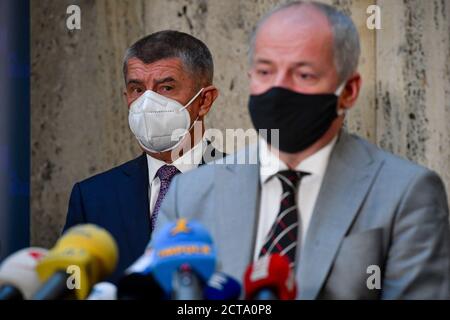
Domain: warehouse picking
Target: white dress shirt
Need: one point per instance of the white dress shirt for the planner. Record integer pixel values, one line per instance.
(188, 161)
(271, 188)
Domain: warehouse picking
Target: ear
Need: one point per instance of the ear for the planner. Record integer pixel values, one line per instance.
(209, 95)
(351, 91)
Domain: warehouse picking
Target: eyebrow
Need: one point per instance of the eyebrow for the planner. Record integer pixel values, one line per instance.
(134, 81)
(157, 81)
(263, 61)
(164, 80)
(304, 64)
(297, 64)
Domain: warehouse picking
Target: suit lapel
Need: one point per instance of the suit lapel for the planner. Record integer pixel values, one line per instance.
(237, 205)
(349, 175)
(134, 204)
(134, 201)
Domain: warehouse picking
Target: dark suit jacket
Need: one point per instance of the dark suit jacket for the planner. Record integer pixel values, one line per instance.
(117, 200)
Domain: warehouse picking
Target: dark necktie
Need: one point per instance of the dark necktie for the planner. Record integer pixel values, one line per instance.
(283, 236)
(165, 175)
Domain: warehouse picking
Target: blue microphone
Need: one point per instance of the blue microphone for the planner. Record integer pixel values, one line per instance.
(183, 258)
(222, 287)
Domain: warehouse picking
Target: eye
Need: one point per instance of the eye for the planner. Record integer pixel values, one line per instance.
(138, 90)
(166, 88)
(305, 76)
(262, 72)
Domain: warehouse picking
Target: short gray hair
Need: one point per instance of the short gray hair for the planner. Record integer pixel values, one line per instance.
(193, 53)
(346, 47)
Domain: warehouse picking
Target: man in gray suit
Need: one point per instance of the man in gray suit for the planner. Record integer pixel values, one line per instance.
(354, 221)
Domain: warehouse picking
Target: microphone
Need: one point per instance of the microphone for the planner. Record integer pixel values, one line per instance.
(103, 291)
(270, 278)
(18, 278)
(222, 287)
(138, 282)
(88, 252)
(183, 259)
(186, 284)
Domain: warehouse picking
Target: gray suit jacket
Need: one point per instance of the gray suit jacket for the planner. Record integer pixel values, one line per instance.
(373, 209)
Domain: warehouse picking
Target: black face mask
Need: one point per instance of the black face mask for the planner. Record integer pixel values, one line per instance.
(302, 119)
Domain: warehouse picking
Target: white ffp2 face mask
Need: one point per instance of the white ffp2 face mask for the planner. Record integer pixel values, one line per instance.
(159, 123)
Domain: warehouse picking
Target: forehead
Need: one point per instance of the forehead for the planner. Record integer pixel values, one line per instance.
(295, 34)
(173, 67)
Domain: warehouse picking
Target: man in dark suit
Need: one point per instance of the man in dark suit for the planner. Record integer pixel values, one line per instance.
(169, 91)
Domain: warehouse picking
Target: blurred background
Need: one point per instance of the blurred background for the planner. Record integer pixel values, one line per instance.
(79, 119)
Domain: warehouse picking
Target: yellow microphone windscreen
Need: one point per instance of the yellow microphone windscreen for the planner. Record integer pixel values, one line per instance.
(88, 248)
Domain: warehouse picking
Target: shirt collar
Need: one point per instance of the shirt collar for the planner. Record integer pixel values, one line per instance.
(316, 164)
(188, 161)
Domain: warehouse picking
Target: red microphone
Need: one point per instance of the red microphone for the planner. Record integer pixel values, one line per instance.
(270, 278)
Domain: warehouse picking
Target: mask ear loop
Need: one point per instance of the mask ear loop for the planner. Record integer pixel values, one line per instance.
(338, 93)
(192, 100)
(187, 105)
(340, 89)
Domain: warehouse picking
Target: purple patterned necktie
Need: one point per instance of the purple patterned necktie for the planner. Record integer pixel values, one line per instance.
(165, 175)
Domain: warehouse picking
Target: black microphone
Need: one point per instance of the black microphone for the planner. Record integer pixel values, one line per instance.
(138, 282)
(8, 292)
